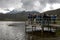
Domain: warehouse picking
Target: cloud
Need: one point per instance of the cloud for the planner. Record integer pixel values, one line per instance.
(28, 4)
(56, 5)
(49, 4)
(10, 3)
(38, 5)
(49, 1)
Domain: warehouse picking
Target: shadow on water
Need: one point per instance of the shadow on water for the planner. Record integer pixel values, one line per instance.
(15, 24)
(37, 35)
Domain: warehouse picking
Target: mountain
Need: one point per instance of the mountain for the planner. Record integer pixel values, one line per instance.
(16, 15)
(18, 11)
(22, 15)
(54, 12)
(13, 12)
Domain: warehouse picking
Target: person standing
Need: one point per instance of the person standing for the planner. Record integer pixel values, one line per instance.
(54, 18)
(29, 18)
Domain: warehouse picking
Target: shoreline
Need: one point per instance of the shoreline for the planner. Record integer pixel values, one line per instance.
(17, 21)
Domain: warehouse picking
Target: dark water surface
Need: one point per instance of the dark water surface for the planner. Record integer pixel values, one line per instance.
(10, 30)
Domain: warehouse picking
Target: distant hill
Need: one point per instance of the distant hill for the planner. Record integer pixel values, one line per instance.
(16, 16)
(54, 12)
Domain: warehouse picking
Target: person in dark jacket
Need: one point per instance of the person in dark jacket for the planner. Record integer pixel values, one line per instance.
(29, 18)
(44, 19)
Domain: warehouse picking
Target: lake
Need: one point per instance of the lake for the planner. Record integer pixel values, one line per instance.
(12, 30)
(15, 30)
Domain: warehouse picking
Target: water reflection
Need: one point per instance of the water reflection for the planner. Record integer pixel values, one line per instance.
(11, 32)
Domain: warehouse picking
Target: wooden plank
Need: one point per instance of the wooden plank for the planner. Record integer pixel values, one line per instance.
(55, 25)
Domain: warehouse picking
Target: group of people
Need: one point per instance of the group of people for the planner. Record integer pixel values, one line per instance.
(41, 19)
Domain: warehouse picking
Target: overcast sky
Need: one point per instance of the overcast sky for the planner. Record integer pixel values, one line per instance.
(37, 5)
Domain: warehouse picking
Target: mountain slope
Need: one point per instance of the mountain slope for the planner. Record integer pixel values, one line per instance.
(56, 12)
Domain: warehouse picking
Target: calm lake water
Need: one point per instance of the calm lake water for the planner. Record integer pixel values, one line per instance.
(10, 30)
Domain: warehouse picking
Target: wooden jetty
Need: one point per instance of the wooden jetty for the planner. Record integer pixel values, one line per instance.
(33, 31)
